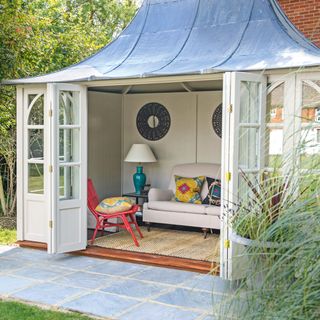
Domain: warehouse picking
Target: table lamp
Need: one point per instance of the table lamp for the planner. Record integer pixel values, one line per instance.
(140, 153)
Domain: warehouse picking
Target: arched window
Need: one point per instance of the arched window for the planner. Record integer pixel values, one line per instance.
(35, 143)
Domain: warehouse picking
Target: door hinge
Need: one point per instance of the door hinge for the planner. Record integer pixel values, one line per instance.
(50, 224)
(229, 108)
(50, 168)
(228, 176)
(50, 113)
(227, 244)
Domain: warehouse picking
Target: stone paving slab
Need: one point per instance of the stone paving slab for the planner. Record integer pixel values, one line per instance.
(118, 268)
(112, 289)
(9, 284)
(154, 311)
(48, 293)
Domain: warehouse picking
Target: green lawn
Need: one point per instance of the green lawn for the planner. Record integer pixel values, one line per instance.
(7, 237)
(18, 311)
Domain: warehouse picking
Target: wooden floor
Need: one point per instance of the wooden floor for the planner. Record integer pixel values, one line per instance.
(136, 257)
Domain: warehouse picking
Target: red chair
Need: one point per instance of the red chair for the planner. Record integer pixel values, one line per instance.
(102, 218)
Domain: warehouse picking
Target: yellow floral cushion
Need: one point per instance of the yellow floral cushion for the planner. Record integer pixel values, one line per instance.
(188, 189)
(114, 205)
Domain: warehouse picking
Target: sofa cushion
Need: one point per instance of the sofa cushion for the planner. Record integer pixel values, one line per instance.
(188, 189)
(214, 192)
(195, 170)
(177, 207)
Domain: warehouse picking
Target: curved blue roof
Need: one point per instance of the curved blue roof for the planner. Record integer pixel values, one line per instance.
(178, 37)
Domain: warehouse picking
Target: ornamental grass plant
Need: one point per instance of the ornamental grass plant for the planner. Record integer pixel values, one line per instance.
(281, 280)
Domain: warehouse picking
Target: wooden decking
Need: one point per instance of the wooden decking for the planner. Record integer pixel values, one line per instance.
(136, 257)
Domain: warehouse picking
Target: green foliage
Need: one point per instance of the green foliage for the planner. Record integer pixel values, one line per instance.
(41, 36)
(10, 310)
(280, 281)
(7, 236)
(283, 282)
(37, 37)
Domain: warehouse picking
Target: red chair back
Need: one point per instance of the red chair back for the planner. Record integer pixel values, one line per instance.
(93, 199)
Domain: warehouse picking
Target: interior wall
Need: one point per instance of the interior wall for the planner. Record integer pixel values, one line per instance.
(104, 144)
(208, 142)
(190, 138)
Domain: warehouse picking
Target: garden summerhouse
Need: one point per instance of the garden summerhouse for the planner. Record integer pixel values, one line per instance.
(192, 57)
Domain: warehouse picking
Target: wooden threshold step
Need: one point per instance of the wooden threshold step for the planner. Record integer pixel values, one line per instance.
(137, 257)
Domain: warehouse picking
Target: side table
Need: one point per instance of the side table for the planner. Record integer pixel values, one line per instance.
(144, 197)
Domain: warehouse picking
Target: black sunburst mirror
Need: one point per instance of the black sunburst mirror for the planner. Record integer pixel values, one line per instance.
(217, 120)
(153, 121)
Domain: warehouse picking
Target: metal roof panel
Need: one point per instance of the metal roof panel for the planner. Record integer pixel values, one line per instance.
(174, 37)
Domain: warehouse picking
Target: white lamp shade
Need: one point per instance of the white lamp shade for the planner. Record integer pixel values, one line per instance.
(140, 153)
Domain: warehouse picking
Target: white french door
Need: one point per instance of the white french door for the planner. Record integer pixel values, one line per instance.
(68, 146)
(244, 104)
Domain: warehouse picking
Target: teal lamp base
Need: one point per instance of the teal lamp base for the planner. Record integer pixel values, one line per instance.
(139, 180)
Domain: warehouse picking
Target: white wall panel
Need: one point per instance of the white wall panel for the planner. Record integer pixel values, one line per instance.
(208, 142)
(104, 144)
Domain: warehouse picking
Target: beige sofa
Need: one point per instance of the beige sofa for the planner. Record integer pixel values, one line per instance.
(162, 209)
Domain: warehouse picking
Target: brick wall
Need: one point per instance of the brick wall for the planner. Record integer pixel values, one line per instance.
(305, 15)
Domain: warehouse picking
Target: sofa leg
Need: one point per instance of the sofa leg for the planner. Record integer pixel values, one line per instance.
(205, 232)
(148, 226)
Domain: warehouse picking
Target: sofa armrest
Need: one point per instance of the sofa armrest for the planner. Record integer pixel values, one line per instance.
(160, 194)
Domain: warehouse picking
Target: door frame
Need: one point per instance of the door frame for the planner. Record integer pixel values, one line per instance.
(22, 155)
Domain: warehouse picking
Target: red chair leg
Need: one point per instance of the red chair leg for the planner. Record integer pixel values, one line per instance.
(128, 227)
(134, 220)
(99, 226)
(95, 232)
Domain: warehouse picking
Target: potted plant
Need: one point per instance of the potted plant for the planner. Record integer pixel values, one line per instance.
(282, 250)
(271, 196)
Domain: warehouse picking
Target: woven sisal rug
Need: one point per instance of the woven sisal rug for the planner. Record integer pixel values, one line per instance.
(182, 244)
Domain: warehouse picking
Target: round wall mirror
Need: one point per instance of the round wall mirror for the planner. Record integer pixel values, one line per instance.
(217, 120)
(153, 121)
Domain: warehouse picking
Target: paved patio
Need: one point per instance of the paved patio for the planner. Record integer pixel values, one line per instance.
(109, 289)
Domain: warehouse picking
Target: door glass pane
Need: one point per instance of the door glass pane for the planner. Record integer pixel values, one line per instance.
(36, 112)
(248, 148)
(274, 146)
(69, 179)
(31, 97)
(35, 178)
(310, 148)
(247, 183)
(69, 145)
(249, 102)
(310, 134)
(311, 102)
(35, 144)
(274, 134)
(68, 108)
(275, 105)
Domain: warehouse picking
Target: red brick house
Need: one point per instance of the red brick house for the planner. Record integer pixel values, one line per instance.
(305, 15)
